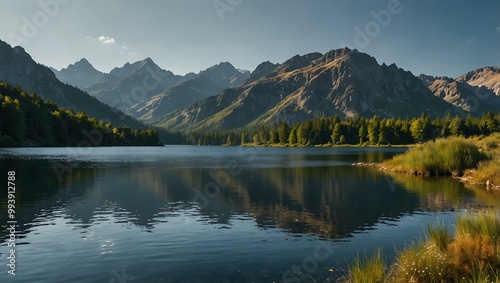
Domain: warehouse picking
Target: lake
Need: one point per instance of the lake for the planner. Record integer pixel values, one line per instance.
(213, 214)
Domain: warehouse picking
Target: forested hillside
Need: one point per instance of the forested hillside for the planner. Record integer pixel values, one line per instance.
(28, 119)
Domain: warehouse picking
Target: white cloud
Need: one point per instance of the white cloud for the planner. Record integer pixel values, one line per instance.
(106, 39)
(106, 43)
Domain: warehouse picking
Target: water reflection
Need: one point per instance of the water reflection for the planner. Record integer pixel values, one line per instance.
(331, 201)
(192, 211)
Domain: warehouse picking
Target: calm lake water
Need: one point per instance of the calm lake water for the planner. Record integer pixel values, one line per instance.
(212, 214)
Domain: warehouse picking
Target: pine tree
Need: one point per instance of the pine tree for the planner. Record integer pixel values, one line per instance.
(373, 130)
(362, 134)
(292, 139)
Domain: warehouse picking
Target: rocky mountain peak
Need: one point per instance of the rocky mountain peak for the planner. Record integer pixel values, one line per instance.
(488, 77)
(149, 62)
(429, 80)
(481, 72)
(81, 65)
(83, 62)
(223, 67)
(225, 75)
(336, 53)
(297, 62)
(81, 74)
(262, 70)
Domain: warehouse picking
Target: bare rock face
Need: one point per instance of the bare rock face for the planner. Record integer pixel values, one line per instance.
(475, 92)
(488, 77)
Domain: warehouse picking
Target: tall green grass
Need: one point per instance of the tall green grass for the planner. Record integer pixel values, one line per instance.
(439, 236)
(488, 170)
(472, 256)
(486, 224)
(440, 157)
(367, 269)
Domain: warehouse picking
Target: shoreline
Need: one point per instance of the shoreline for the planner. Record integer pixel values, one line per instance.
(466, 180)
(329, 145)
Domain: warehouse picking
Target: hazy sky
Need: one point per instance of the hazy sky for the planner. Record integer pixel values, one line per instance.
(434, 37)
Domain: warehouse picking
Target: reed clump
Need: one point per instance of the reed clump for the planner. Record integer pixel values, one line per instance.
(451, 156)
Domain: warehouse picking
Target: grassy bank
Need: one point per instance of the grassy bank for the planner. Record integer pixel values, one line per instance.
(440, 157)
(475, 160)
(472, 255)
(487, 170)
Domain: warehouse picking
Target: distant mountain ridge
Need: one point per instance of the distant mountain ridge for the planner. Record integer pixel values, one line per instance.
(488, 77)
(80, 74)
(473, 92)
(125, 86)
(205, 84)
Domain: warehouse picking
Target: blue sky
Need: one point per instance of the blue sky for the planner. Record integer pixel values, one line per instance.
(433, 37)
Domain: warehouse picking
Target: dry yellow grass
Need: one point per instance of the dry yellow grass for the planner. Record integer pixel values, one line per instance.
(466, 254)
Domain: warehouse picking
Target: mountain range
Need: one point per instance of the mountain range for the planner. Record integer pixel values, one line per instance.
(132, 83)
(342, 82)
(205, 84)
